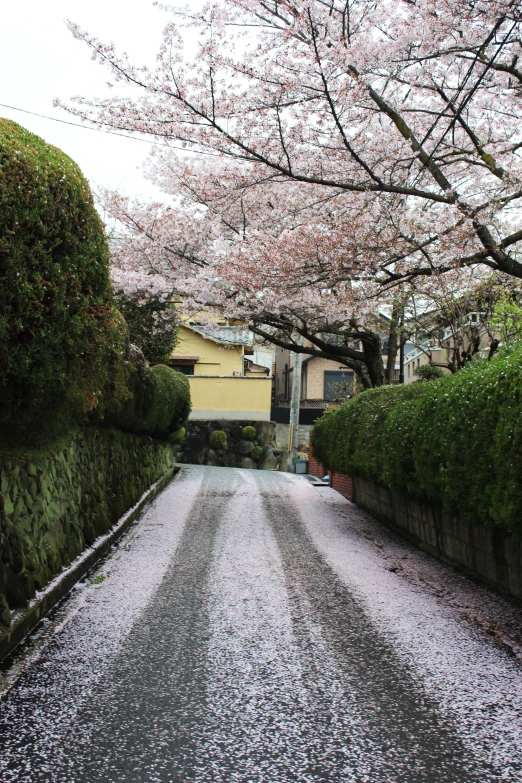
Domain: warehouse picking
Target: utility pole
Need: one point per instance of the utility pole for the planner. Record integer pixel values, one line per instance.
(293, 438)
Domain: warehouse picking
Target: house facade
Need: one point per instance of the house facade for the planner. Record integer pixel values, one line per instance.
(322, 380)
(222, 384)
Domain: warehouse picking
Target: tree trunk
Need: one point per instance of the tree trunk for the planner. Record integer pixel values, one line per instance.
(393, 341)
(371, 345)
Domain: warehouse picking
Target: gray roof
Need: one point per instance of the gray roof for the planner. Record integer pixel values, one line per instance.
(227, 335)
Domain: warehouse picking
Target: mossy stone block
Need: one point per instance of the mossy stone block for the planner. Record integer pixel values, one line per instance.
(5, 614)
(8, 506)
(31, 469)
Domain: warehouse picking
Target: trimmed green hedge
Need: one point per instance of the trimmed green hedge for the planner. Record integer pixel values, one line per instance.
(455, 442)
(55, 295)
(153, 326)
(160, 404)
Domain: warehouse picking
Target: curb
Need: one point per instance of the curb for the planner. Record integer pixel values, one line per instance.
(26, 620)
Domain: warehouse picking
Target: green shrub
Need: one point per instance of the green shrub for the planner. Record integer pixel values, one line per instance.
(178, 436)
(160, 404)
(397, 440)
(218, 439)
(428, 372)
(248, 433)
(348, 438)
(118, 366)
(256, 452)
(455, 442)
(55, 295)
(152, 326)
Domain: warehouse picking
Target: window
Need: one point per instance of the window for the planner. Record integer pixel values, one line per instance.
(338, 384)
(186, 369)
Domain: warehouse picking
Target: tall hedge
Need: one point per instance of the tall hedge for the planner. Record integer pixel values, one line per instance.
(153, 326)
(160, 403)
(55, 295)
(455, 442)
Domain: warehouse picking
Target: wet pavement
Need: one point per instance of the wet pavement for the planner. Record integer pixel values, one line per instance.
(248, 629)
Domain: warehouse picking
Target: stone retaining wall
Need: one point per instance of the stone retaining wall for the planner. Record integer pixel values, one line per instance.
(260, 453)
(491, 554)
(54, 507)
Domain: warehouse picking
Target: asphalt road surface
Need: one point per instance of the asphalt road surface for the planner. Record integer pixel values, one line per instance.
(247, 630)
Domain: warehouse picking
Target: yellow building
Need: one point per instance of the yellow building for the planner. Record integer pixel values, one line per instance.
(221, 384)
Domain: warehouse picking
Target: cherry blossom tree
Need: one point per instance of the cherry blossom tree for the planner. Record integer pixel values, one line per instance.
(462, 315)
(259, 280)
(344, 149)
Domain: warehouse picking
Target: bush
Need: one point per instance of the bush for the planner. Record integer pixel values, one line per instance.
(256, 452)
(218, 439)
(178, 436)
(455, 442)
(55, 295)
(248, 433)
(160, 404)
(428, 372)
(347, 439)
(119, 367)
(152, 326)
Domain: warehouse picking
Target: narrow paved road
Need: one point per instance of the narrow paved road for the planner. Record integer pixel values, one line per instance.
(247, 632)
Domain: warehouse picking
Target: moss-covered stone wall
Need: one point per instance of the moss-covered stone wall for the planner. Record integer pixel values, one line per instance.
(231, 444)
(52, 508)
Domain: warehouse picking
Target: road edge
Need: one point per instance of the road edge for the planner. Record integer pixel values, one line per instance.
(25, 621)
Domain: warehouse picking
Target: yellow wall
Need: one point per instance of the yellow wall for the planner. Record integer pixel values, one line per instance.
(230, 398)
(214, 359)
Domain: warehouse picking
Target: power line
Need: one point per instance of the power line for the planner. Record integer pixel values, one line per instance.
(109, 133)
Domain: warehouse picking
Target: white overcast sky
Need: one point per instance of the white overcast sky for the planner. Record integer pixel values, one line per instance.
(40, 60)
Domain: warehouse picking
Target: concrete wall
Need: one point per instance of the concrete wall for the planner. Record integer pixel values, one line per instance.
(234, 399)
(281, 435)
(491, 554)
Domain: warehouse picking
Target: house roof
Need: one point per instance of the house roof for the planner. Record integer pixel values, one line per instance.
(253, 367)
(225, 335)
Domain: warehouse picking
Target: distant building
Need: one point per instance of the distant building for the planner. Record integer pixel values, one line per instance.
(322, 380)
(224, 384)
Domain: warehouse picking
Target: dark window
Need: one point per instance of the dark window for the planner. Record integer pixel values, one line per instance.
(186, 369)
(338, 384)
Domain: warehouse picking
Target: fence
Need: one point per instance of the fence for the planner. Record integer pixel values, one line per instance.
(281, 414)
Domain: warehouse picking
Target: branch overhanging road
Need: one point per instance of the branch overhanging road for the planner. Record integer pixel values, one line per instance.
(247, 631)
